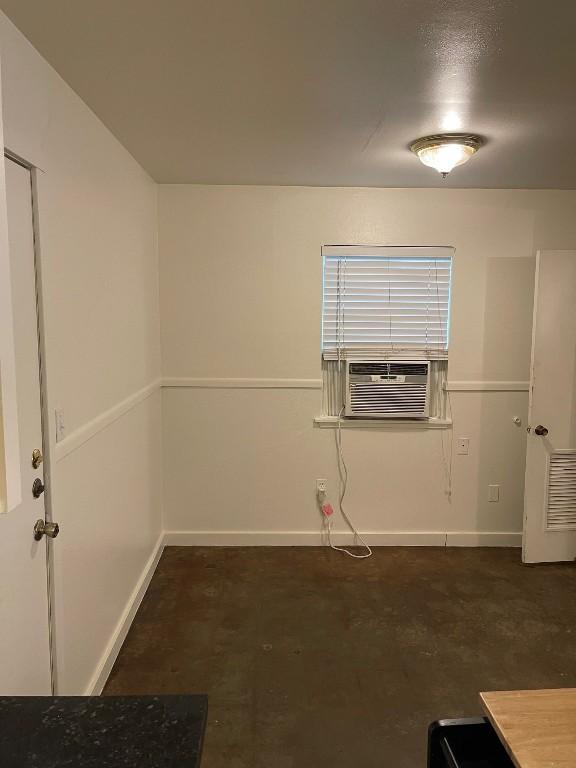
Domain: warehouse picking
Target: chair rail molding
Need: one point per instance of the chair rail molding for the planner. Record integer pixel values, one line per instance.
(487, 386)
(248, 383)
(79, 436)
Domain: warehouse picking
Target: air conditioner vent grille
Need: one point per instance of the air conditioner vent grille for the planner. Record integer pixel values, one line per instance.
(377, 389)
(388, 399)
(561, 491)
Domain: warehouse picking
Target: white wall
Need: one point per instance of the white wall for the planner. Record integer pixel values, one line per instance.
(241, 299)
(98, 248)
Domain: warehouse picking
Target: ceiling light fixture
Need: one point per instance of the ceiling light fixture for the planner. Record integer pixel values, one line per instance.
(444, 151)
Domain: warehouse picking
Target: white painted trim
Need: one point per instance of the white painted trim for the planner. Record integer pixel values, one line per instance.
(315, 539)
(331, 422)
(390, 250)
(84, 433)
(297, 538)
(484, 539)
(104, 667)
(199, 383)
(487, 386)
(254, 383)
(11, 481)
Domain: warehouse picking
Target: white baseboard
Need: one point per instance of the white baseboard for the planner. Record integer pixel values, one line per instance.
(296, 539)
(104, 667)
(314, 539)
(483, 539)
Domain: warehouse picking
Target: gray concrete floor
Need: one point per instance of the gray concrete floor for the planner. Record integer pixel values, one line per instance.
(313, 660)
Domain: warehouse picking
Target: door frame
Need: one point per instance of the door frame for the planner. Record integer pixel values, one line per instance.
(44, 411)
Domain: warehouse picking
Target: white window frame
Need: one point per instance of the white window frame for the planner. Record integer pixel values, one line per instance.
(333, 360)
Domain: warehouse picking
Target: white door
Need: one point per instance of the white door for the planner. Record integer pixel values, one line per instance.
(550, 496)
(24, 613)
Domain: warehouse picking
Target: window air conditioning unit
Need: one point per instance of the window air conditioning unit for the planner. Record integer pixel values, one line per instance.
(395, 389)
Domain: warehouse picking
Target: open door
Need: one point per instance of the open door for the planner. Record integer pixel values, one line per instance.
(550, 486)
(25, 668)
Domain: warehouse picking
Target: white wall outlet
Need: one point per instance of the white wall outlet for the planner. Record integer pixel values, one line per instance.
(60, 426)
(493, 493)
(321, 485)
(462, 445)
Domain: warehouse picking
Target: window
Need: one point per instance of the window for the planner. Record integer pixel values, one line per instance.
(385, 303)
(382, 302)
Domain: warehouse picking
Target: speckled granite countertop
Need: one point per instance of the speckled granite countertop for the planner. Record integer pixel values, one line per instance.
(102, 731)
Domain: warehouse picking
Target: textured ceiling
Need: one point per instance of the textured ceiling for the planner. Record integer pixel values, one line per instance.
(321, 92)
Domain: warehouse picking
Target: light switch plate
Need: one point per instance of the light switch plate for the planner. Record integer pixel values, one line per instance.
(493, 493)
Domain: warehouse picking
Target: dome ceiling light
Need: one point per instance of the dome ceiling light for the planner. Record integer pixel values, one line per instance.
(444, 151)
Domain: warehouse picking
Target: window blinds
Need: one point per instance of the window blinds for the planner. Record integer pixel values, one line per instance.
(382, 302)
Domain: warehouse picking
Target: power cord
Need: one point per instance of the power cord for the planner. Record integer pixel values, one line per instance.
(327, 508)
(447, 462)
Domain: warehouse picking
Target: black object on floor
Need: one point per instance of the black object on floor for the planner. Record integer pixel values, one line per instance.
(465, 743)
(102, 732)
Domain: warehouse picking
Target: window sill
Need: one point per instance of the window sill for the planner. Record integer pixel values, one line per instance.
(331, 422)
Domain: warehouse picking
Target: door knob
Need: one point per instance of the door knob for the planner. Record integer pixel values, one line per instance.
(37, 488)
(45, 528)
(37, 458)
(540, 430)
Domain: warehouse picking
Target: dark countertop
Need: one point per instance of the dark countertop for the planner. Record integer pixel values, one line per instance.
(102, 731)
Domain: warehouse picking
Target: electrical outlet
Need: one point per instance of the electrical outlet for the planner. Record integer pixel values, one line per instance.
(60, 426)
(493, 493)
(321, 485)
(462, 445)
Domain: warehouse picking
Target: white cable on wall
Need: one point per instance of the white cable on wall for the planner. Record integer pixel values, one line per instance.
(343, 484)
(343, 478)
(342, 468)
(447, 462)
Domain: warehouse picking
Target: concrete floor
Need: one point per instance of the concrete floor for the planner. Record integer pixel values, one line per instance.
(313, 660)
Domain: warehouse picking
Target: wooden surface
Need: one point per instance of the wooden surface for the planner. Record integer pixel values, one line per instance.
(538, 728)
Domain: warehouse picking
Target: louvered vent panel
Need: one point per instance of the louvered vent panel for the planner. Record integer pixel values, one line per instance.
(387, 390)
(388, 399)
(561, 502)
